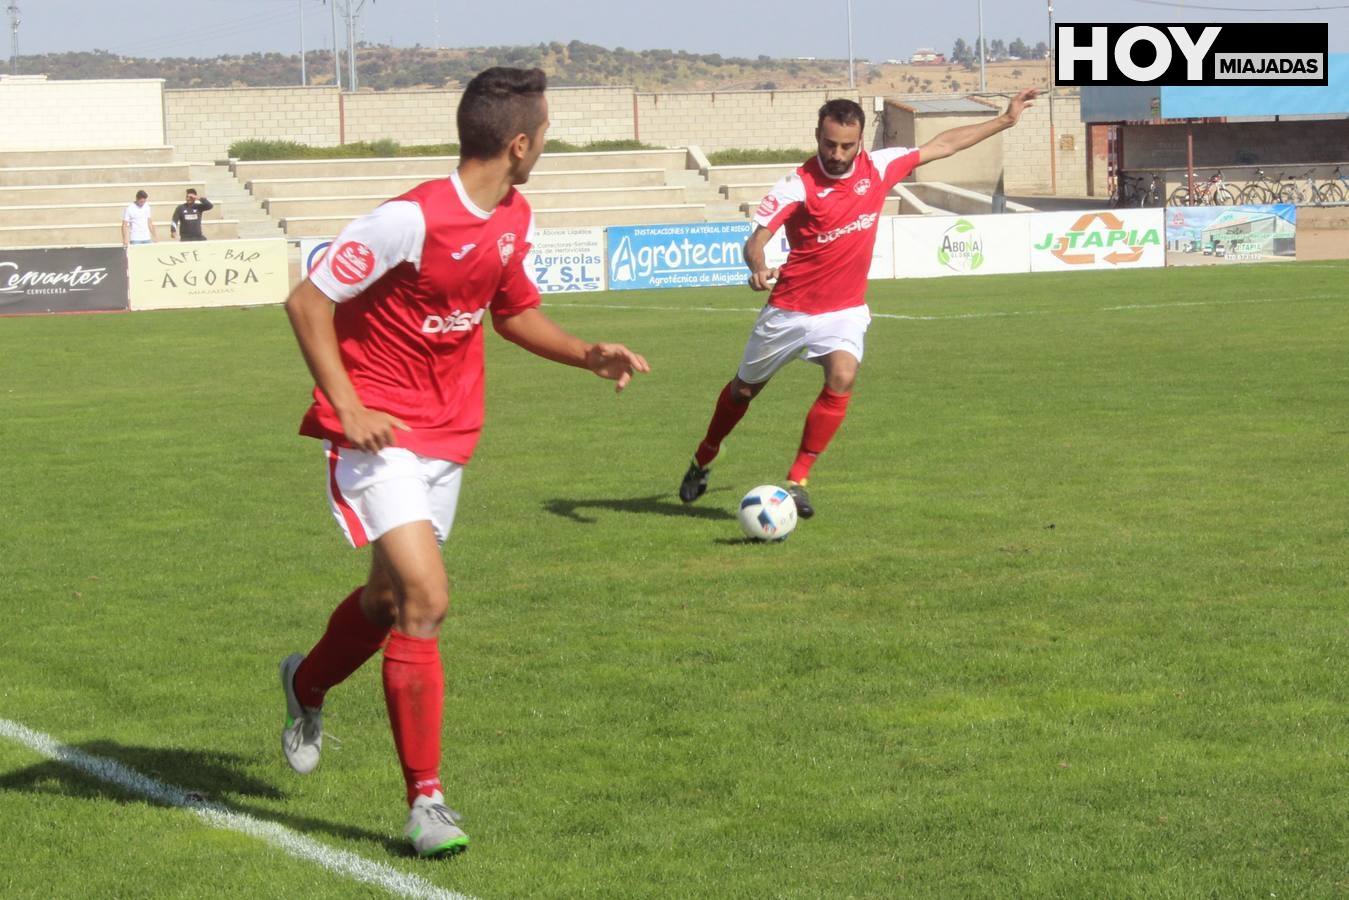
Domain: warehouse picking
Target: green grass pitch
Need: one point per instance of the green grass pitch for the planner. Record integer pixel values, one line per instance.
(1072, 620)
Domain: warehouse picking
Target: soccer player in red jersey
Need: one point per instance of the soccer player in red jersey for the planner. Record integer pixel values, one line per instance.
(817, 309)
(390, 325)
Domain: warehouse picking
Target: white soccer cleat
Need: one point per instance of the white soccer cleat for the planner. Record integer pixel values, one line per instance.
(433, 827)
(302, 738)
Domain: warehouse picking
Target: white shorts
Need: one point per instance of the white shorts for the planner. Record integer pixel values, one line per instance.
(373, 493)
(781, 335)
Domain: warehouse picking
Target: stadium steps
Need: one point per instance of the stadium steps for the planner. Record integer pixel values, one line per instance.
(222, 189)
(78, 194)
(428, 167)
(103, 234)
(132, 174)
(88, 213)
(23, 159)
(292, 207)
(669, 213)
(393, 185)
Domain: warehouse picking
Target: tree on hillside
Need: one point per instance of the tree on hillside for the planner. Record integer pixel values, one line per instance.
(997, 49)
(962, 54)
(1040, 51)
(1018, 48)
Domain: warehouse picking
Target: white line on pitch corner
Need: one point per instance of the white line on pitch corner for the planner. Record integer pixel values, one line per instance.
(339, 861)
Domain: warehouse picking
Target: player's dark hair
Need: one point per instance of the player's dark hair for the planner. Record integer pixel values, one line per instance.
(192, 191)
(141, 195)
(844, 112)
(498, 104)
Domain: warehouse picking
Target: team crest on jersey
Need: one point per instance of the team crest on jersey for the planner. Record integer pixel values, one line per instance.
(353, 262)
(862, 187)
(506, 246)
(768, 206)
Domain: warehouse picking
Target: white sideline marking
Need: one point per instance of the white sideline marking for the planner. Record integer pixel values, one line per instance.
(954, 316)
(217, 816)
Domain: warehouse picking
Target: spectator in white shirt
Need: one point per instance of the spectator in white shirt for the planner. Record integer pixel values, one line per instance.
(138, 227)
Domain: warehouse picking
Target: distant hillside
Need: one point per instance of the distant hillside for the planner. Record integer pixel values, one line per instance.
(576, 63)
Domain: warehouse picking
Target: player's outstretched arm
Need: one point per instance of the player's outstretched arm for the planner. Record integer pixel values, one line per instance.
(761, 275)
(311, 317)
(953, 140)
(540, 335)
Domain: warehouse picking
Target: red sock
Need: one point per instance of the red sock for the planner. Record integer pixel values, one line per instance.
(825, 415)
(350, 640)
(728, 413)
(414, 690)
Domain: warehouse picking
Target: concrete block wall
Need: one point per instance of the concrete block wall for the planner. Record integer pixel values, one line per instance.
(584, 114)
(38, 114)
(1026, 148)
(408, 117)
(1279, 145)
(737, 119)
(201, 124)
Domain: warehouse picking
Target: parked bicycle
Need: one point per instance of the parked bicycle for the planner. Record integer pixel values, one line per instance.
(1265, 190)
(1328, 192)
(1334, 191)
(1210, 192)
(1138, 191)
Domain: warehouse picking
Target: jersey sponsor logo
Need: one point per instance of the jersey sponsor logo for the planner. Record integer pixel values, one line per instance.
(769, 206)
(864, 222)
(506, 246)
(462, 252)
(452, 321)
(862, 187)
(353, 262)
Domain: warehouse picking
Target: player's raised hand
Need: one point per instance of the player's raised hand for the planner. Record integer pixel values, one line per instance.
(1020, 102)
(763, 279)
(371, 430)
(615, 362)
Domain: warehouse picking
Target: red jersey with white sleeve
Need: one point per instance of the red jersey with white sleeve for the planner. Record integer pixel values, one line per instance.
(831, 228)
(413, 281)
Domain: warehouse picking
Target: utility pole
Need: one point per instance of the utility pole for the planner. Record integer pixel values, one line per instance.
(14, 21)
(303, 80)
(852, 78)
(351, 48)
(1053, 149)
(983, 50)
(337, 58)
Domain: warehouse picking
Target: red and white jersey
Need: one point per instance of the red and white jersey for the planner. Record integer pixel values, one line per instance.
(831, 228)
(413, 281)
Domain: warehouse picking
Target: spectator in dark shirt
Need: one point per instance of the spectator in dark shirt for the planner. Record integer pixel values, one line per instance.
(186, 222)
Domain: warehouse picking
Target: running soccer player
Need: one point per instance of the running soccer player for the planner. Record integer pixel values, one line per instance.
(390, 325)
(817, 309)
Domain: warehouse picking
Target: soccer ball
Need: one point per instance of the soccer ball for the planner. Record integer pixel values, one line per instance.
(768, 513)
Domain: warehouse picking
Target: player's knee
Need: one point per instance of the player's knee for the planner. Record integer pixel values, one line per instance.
(379, 603)
(742, 392)
(424, 603)
(841, 382)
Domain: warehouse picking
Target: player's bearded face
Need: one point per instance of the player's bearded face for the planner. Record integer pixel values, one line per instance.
(838, 145)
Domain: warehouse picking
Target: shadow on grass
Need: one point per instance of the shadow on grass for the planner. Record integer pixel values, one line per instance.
(193, 779)
(657, 504)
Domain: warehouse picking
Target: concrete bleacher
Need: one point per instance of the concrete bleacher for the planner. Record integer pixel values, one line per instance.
(315, 198)
(439, 166)
(95, 235)
(79, 202)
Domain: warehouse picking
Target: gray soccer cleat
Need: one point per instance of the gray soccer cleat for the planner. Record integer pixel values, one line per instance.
(801, 498)
(433, 827)
(302, 738)
(695, 482)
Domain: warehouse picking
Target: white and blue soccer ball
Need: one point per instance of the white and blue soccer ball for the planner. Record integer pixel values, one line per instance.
(767, 513)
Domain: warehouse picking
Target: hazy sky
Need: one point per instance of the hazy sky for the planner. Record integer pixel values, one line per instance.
(881, 28)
